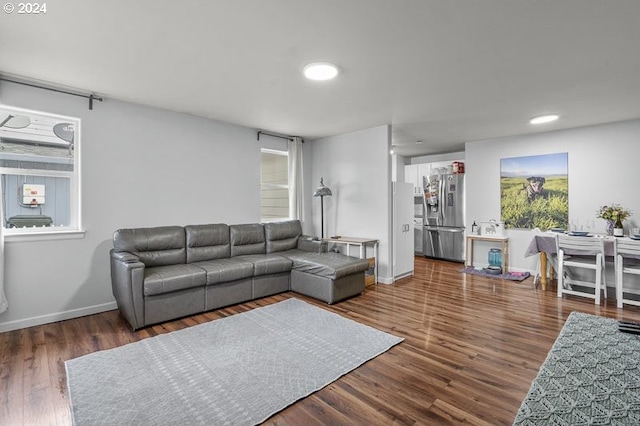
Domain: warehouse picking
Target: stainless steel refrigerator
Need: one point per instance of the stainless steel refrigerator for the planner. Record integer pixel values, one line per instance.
(444, 223)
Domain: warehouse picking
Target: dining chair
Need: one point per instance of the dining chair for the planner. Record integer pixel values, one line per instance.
(585, 253)
(626, 249)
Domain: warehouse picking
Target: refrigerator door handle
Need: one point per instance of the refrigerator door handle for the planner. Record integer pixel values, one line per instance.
(443, 201)
(444, 228)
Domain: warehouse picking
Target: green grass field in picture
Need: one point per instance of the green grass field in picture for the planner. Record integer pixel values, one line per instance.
(518, 212)
(546, 209)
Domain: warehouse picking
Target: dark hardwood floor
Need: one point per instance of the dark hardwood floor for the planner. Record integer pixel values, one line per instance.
(472, 347)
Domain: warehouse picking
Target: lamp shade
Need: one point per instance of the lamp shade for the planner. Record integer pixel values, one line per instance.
(322, 190)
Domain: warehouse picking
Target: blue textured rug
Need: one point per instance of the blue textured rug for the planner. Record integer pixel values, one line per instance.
(238, 370)
(508, 276)
(591, 377)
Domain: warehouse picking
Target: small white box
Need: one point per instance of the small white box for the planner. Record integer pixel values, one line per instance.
(492, 228)
(32, 194)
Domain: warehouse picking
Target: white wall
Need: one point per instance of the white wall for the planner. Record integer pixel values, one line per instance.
(397, 168)
(357, 168)
(603, 169)
(140, 167)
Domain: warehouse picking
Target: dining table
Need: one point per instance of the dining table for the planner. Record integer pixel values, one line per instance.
(544, 244)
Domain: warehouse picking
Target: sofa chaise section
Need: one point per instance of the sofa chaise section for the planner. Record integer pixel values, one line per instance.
(330, 277)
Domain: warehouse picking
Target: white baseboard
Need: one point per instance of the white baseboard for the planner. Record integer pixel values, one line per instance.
(399, 277)
(57, 316)
(385, 280)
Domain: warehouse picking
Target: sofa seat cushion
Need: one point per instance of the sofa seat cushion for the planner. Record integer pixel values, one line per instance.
(329, 265)
(225, 270)
(294, 254)
(265, 264)
(165, 279)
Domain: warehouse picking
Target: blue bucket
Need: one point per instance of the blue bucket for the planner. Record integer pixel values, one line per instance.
(495, 257)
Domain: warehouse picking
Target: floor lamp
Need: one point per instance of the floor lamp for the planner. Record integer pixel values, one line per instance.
(322, 191)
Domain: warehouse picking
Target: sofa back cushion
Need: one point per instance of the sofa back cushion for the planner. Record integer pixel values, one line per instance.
(207, 242)
(247, 239)
(163, 245)
(281, 236)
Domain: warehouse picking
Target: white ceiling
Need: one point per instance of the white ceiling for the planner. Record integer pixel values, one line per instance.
(440, 71)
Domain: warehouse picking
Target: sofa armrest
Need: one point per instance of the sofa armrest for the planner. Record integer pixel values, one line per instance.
(126, 257)
(127, 284)
(312, 244)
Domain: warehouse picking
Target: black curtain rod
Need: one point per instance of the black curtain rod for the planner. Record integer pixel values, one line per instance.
(90, 97)
(289, 138)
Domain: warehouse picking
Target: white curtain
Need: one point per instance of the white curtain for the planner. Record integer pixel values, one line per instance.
(3, 299)
(296, 198)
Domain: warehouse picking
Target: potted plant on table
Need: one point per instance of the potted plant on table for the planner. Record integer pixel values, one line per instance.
(614, 214)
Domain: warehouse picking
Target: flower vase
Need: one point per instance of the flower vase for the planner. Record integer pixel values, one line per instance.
(618, 230)
(610, 225)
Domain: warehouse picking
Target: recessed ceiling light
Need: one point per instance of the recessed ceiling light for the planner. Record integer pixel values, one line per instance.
(320, 71)
(418, 142)
(547, 118)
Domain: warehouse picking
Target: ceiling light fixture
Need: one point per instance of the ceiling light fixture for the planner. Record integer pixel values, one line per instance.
(320, 71)
(547, 118)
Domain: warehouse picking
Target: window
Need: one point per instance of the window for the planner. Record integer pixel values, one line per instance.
(274, 185)
(39, 172)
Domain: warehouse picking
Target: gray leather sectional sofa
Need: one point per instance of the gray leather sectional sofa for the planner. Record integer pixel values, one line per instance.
(162, 273)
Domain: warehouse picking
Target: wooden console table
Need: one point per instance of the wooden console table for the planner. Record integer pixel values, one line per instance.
(504, 241)
(362, 244)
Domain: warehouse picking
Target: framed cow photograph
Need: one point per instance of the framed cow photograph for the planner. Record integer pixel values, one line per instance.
(534, 191)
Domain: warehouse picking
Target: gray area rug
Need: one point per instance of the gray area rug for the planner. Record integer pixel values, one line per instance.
(238, 370)
(591, 377)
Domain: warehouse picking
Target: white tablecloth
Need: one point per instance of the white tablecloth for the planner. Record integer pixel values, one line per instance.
(546, 242)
